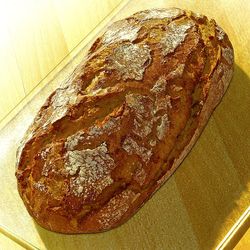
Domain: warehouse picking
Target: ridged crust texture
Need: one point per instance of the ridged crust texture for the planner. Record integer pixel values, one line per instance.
(121, 124)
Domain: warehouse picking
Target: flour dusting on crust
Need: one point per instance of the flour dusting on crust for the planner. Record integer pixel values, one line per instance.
(140, 175)
(163, 103)
(121, 31)
(73, 140)
(92, 168)
(116, 208)
(106, 128)
(131, 60)
(227, 53)
(176, 88)
(44, 153)
(60, 102)
(145, 114)
(175, 36)
(160, 86)
(40, 186)
(93, 132)
(132, 147)
(136, 102)
(220, 33)
(142, 109)
(226, 73)
(160, 14)
(163, 127)
(178, 72)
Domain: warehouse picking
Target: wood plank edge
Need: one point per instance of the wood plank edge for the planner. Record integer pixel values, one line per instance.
(236, 232)
(63, 63)
(20, 241)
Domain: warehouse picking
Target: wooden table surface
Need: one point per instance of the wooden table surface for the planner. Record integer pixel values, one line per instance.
(206, 196)
(36, 36)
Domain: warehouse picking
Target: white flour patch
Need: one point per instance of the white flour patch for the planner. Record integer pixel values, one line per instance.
(116, 208)
(160, 14)
(220, 33)
(163, 127)
(60, 102)
(160, 86)
(227, 53)
(131, 60)
(175, 36)
(113, 123)
(131, 147)
(92, 168)
(120, 31)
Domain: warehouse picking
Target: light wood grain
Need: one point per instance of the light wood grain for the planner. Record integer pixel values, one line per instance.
(36, 36)
(8, 244)
(11, 87)
(197, 207)
(244, 243)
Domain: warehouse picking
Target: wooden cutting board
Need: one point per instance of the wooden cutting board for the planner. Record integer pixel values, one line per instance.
(205, 197)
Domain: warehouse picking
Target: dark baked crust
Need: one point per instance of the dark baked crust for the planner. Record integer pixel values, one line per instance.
(104, 142)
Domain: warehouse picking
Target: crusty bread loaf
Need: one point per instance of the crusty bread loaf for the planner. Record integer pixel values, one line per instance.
(104, 142)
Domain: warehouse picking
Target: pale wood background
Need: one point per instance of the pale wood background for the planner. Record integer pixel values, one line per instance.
(244, 243)
(36, 35)
(6, 243)
(208, 193)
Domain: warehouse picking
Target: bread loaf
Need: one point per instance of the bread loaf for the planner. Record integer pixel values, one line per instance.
(104, 142)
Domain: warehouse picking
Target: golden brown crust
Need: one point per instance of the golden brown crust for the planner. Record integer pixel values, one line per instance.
(103, 143)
